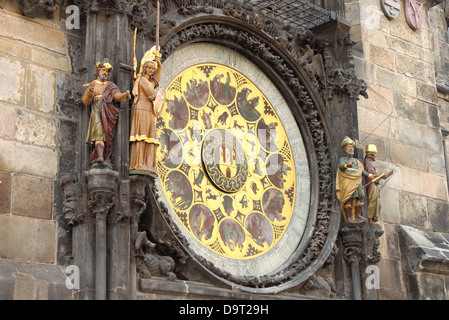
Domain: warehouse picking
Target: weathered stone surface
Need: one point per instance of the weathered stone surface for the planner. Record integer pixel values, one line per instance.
(7, 120)
(414, 68)
(378, 124)
(68, 141)
(427, 92)
(32, 281)
(427, 184)
(36, 130)
(409, 156)
(32, 197)
(31, 32)
(36, 161)
(441, 185)
(15, 49)
(407, 133)
(5, 192)
(438, 215)
(12, 91)
(410, 179)
(51, 60)
(380, 100)
(390, 205)
(391, 284)
(432, 140)
(426, 262)
(27, 239)
(404, 85)
(413, 210)
(382, 57)
(401, 46)
(41, 89)
(412, 109)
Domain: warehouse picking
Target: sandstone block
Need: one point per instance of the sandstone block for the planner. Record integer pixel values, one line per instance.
(32, 197)
(52, 60)
(380, 100)
(12, 90)
(15, 49)
(408, 156)
(427, 183)
(5, 192)
(415, 68)
(374, 122)
(31, 32)
(382, 57)
(410, 179)
(35, 130)
(432, 140)
(36, 161)
(41, 89)
(438, 216)
(390, 206)
(27, 239)
(413, 210)
(7, 120)
(402, 83)
(408, 133)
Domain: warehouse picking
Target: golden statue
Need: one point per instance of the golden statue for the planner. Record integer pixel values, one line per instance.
(372, 185)
(349, 187)
(143, 134)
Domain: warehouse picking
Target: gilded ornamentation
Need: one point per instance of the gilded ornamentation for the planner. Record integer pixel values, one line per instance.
(227, 166)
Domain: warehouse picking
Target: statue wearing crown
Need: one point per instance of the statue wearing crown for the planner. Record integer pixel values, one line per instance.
(372, 184)
(104, 97)
(146, 107)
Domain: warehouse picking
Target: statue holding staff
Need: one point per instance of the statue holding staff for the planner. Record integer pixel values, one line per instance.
(104, 97)
(372, 184)
(349, 187)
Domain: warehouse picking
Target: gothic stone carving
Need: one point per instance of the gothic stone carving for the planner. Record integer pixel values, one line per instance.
(40, 8)
(320, 234)
(150, 264)
(72, 194)
(102, 190)
(372, 253)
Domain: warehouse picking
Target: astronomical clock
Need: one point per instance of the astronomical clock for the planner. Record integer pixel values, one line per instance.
(233, 169)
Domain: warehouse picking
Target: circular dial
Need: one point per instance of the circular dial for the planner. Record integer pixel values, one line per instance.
(225, 162)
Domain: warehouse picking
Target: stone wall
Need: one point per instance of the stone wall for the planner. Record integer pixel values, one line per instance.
(35, 125)
(402, 118)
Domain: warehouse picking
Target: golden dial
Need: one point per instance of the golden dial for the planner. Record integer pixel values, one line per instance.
(225, 162)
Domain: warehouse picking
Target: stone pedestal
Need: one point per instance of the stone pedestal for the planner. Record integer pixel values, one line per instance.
(352, 238)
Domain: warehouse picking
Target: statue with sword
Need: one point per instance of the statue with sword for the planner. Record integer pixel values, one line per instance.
(147, 106)
(372, 185)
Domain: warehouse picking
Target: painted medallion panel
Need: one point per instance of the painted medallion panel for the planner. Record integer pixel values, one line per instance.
(225, 162)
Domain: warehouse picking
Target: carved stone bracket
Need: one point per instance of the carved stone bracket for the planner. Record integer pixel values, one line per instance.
(72, 193)
(353, 253)
(352, 238)
(138, 195)
(40, 8)
(102, 190)
(372, 244)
